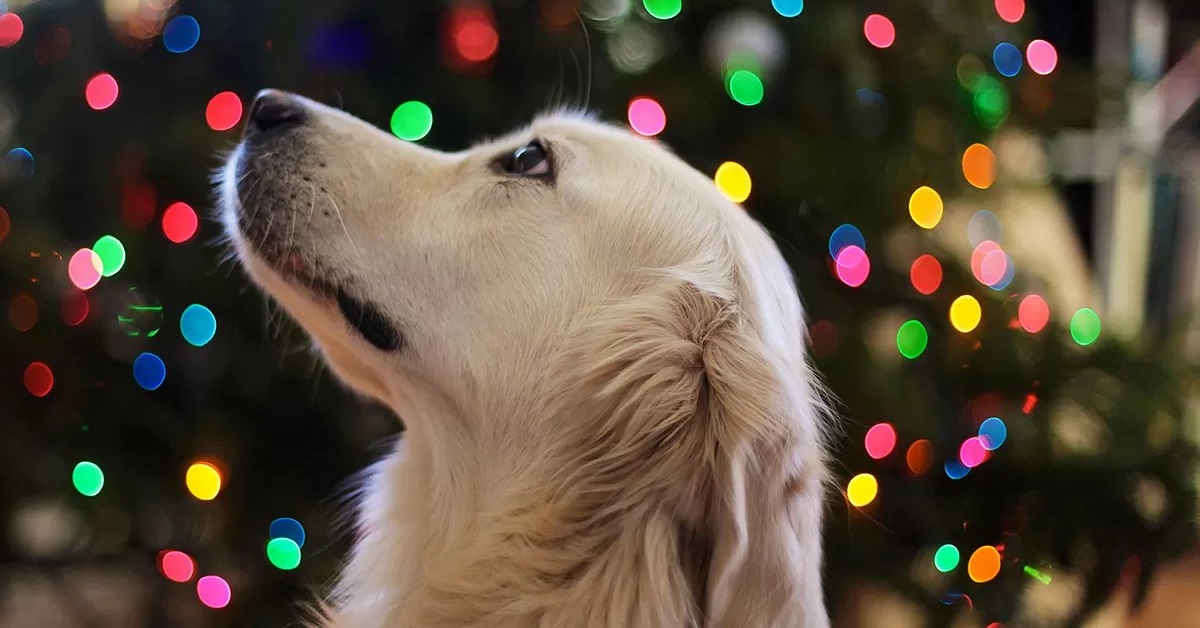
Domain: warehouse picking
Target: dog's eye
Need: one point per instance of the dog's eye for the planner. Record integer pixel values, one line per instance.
(530, 160)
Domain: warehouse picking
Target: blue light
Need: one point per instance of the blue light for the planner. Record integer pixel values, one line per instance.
(198, 325)
(844, 236)
(1007, 59)
(1010, 271)
(788, 8)
(956, 470)
(20, 160)
(993, 433)
(149, 371)
(288, 528)
(181, 34)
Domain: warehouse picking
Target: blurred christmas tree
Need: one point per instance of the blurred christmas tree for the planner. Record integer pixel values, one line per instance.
(838, 113)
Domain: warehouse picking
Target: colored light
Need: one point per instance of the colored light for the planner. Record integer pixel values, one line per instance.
(101, 91)
(39, 379)
(745, 87)
(288, 528)
(972, 453)
(853, 266)
(283, 553)
(87, 478)
(1010, 11)
(5, 224)
(1042, 56)
(992, 267)
(1033, 313)
(990, 101)
(862, 489)
(880, 440)
(733, 180)
(176, 566)
(993, 432)
(845, 235)
(788, 8)
(197, 324)
(879, 30)
(984, 564)
(663, 9)
(179, 222)
(85, 269)
(111, 253)
(919, 457)
(412, 121)
(203, 481)
(21, 161)
(181, 34)
(213, 591)
(984, 225)
(149, 371)
(473, 33)
(1007, 59)
(224, 111)
(925, 207)
(1085, 326)
(23, 312)
(11, 29)
(926, 274)
(646, 116)
(979, 166)
(955, 470)
(140, 315)
(980, 253)
(946, 558)
(911, 339)
(1036, 575)
(965, 313)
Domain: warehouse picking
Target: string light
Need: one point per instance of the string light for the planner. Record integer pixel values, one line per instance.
(925, 207)
(203, 481)
(412, 121)
(862, 490)
(1085, 326)
(181, 34)
(965, 313)
(979, 166)
(39, 379)
(213, 591)
(646, 116)
(1007, 59)
(845, 235)
(1033, 313)
(919, 457)
(1042, 56)
(992, 433)
(11, 29)
(176, 566)
(946, 558)
(984, 564)
(911, 339)
(101, 91)
(879, 30)
(224, 111)
(197, 324)
(926, 274)
(788, 8)
(853, 266)
(149, 371)
(880, 440)
(87, 478)
(179, 222)
(663, 9)
(733, 180)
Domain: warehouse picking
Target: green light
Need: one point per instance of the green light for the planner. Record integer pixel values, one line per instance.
(745, 87)
(1085, 326)
(663, 9)
(112, 255)
(283, 553)
(88, 478)
(990, 100)
(912, 339)
(946, 558)
(412, 120)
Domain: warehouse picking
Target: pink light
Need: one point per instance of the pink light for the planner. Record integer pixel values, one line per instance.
(213, 591)
(177, 566)
(972, 453)
(1033, 313)
(224, 111)
(1042, 56)
(1010, 11)
(982, 251)
(993, 267)
(647, 117)
(879, 30)
(11, 29)
(101, 91)
(853, 266)
(85, 269)
(880, 440)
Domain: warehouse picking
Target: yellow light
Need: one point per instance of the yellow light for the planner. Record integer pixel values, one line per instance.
(203, 481)
(862, 489)
(965, 313)
(734, 181)
(925, 207)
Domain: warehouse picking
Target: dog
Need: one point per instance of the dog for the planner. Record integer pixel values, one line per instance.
(599, 361)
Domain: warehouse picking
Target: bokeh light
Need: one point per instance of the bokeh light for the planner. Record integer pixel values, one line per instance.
(880, 440)
(984, 225)
(101, 91)
(1010, 272)
(1010, 11)
(992, 267)
(87, 478)
(946, 558)
(412, 121)
(745, 87)
(11, 29)
(21, 161)
(956, 470)
(181, 34)
(788, 8)
(862, 489)
(176, 566)
(965, 313)
(84, 269)
(853, 266)
(288, 528)
(990, 101)
(141, 315)
(925, 274)
(663, 9)
(845, 235)
(972, 452)
(224, 111)
(979, 166)
(473, 35)
(203, 481)
(39, 379)
(733, 180)
(213, 591)
(23, 312)
(911, 339)
(984, 564)
(1007, 58)
(925, 207)
(149, 371)
(919, 457)
(979, 254)
(1085, 326)
(179, 222)
(5, 224)
(646, 116)
(1033, 313)
(197, 324)
(879, 30)
(283, 553)
(1042, 56)
(993, 432)
(74, 308)
(112, 255)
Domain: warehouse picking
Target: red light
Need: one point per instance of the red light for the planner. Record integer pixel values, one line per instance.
(39, 379)
(23, 312)
(1030, 403)
(471, 36)
(1010, 11)
(75, 308)
(176, 566)
(224, 111)
(1033, 313)
(926, 274)
(5, 224)
(879, 31)
(179, 223)
(11, 29)
(101, 91)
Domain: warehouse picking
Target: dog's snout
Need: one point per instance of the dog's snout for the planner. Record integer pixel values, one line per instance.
(273, 109)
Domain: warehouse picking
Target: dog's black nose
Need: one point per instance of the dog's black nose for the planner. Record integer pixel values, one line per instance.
(273, 109)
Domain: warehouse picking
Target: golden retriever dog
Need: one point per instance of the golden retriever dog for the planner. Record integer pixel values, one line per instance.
(599, 361)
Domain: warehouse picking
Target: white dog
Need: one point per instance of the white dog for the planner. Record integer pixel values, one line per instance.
(599, 361)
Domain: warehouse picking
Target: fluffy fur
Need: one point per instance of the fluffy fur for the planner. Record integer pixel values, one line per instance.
(610, 418)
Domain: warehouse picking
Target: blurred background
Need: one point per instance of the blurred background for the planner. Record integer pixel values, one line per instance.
(992, 208)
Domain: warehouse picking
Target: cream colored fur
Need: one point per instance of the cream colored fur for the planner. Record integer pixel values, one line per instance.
(609, 417)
